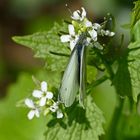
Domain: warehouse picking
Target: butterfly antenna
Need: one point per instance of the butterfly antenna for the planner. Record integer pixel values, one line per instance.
(68, 8)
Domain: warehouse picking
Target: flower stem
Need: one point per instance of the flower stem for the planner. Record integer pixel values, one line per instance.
(59, 54)
(108, 67)
(96, 83)
(115, 120)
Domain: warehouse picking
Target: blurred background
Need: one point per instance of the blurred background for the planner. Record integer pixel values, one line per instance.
(22, 17)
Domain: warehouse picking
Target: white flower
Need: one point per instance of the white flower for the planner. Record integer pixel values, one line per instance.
(72, 37)
(101, 31)
(96, 26)
(93, 34)
(42, 94)
(77, 15)
(111, 34)
(59, 114)
(107, 33)
(88, 40)
(87, 23)
(55, 108)
(34, 110)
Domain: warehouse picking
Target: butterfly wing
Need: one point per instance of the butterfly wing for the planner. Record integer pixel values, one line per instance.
(74, 75)
(70, 83)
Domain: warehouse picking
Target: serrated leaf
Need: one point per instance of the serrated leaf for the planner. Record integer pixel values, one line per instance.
(134, 67)
(122, 80)
(79, 125)
(46, 45)
(134, 54)
(135, 13)
(136, 31)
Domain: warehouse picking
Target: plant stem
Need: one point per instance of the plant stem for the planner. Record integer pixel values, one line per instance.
(59, 54)
(118, 110)
(108, 67)
(96, 83)
(115, 120)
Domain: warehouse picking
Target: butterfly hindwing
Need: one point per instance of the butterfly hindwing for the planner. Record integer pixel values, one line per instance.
(82, 73)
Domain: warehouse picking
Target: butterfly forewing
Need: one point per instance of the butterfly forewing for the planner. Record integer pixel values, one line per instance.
(70, 85)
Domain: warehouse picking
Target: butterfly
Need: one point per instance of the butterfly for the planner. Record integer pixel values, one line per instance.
(74, 77)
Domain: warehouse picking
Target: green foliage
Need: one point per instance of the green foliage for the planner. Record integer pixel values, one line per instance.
(134, 57)
(91, 74)
(135, 13)
(134, 65)
(122, 80)
(136, 31)
(128, 122)
(79, 124)
(47, 45)
(86, 122)
(14, 124)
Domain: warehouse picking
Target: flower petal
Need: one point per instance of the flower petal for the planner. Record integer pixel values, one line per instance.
(93, 34)
(44, 86)
(83, 13)
(49, 95)
(29, 103)
(76, 15)
(112, 34)
(71, 30)
(42, 101)
(65, 38)
(37, 113)
(72, 44)
(59, 114)
(103, 32)
(37, 93)
(96, 26)
(54, 107)
(107, 32)
(88, 41)
(31, 114)
(88, 23)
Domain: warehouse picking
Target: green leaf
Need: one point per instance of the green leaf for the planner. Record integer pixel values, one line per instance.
(134, 46)
(14, 124)
(134, 67)
(128, 122)
(135, 13)
(126, 26)
(79, 124)
(136, 31)
(91, 74)
(47, 45)
(122, 80)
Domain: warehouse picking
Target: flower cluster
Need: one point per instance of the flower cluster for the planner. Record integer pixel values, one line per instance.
(42, 102)
(80, 24)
